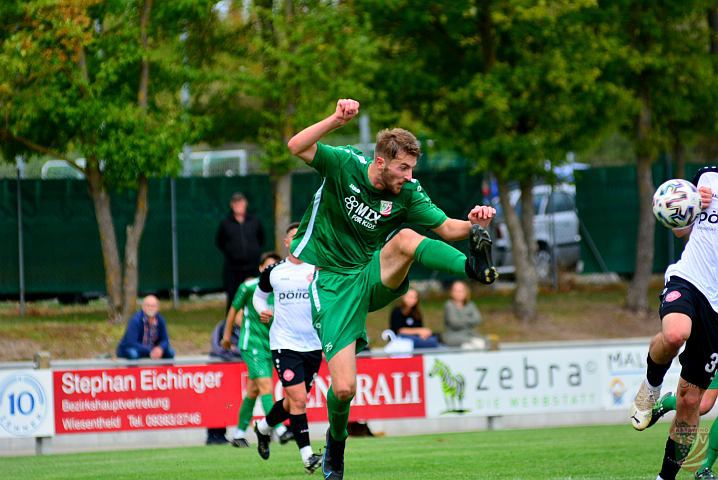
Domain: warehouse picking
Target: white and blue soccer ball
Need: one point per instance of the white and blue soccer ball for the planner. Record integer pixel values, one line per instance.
(677, 203)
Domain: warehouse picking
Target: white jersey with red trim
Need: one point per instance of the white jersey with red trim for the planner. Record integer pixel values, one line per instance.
(699, 261)
(292, 327)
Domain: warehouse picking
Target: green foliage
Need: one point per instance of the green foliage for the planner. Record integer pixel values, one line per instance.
(70, 82)
(661, 55)
(511, 83)
(287, 64)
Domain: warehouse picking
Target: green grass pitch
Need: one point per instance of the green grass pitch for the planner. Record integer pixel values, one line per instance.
(597, 452)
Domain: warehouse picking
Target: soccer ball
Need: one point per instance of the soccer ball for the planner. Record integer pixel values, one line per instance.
(676, 203)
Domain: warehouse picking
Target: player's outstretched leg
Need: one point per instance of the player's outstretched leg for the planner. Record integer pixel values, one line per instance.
(245, 415)
(479, 264)
(263, 440)
(664, 405)
(263, 428)
(333, 458)
(705, 474)
(706, 470)
(642, 407)
(650, 390)
(312, 463)
(285, 437)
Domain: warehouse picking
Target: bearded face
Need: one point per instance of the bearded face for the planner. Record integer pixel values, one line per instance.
(395, 173)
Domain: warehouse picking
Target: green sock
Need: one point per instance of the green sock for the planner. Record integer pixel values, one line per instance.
(245, 412)
(437, 255)
(338, 416)
(712, 450)
(267, 403)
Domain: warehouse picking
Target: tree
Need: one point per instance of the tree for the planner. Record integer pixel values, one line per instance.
(511, 83)
(661, 60)
(101, 80)
(288, 62)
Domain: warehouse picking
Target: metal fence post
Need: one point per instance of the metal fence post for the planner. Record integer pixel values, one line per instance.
(20, 247)
(42, 444)
(175, 266)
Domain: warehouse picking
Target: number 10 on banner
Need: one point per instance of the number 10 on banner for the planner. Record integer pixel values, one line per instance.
(23, 404)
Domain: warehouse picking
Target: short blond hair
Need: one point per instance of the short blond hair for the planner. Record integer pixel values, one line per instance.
(391, 142)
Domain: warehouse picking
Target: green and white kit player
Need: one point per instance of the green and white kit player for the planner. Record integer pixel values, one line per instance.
(667, 403)
(352, 233)
(254, 346)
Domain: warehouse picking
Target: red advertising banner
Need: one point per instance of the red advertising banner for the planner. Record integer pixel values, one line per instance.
(201, 396)
(386, 388)
(145, 398)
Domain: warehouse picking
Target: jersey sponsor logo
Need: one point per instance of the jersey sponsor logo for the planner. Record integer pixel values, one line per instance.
(673, 296)
(299, 294)
(385, 208)
(361, 213)
(354, 188)
(706, 217)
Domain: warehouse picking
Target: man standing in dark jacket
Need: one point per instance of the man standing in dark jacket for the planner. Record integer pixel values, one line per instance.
(240, 237)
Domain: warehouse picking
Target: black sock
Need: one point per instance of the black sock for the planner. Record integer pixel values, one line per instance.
(673, 459)
(655, 372)
(277, 414)
(300, 429)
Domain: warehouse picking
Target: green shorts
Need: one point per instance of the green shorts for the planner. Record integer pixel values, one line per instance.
(714, 384)
(259, 363)
(340, 304)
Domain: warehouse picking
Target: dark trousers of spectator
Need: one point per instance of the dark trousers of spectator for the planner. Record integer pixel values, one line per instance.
(131, 353)
(430, 342)
(232, 279)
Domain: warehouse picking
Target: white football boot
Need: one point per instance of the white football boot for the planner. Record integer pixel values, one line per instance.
(642, 407)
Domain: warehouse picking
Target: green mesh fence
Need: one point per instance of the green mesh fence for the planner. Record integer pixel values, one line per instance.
(606, 199)
(61, 240)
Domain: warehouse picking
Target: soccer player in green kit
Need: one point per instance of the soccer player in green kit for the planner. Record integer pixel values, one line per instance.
(254, 347)
(668, 402)
(351, 233)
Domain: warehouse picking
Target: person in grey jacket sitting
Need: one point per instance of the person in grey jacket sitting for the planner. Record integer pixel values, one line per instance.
(460, 319)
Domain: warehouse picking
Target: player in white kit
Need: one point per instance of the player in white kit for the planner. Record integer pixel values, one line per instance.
(296, 349)
(689, 315)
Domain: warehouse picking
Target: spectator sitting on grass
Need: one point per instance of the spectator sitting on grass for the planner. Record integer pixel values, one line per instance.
(146, 335)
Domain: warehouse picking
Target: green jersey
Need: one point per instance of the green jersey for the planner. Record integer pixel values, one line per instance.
(253, 334)
(349, 219)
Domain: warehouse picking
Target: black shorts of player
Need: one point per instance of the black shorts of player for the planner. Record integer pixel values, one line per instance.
(699, 359)
(295, 367)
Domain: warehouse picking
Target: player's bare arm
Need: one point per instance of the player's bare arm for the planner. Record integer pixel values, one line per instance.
(233, 317)
(453, 229)
(304, 143)
(706, 199)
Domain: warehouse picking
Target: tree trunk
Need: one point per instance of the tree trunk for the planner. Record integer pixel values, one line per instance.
(486, 33)
(527, 217)
(713, 25)
(679, 155)
(108, 240)
(637, 295)
(145, 65)
(132, 246)
(282, 190)
(526, 281)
